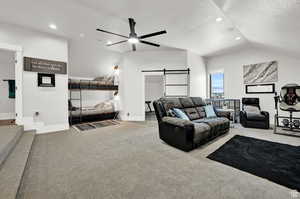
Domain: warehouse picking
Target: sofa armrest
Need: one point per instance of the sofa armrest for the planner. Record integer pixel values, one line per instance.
(222, 113)
(177, 132)
(178, 122)
(243, 113)
(266, 114)
(243, 117)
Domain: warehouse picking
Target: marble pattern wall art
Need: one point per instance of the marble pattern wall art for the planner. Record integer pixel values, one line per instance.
(261, 73)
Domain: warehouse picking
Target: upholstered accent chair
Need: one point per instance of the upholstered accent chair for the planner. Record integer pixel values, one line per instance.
(251, 115)
(188, 134)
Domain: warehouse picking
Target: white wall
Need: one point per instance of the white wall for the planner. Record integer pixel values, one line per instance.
(7, 68)
(232, 65)
(88, 60)
(51, 103)
(132, 89)
(198, 75)
(154, 88)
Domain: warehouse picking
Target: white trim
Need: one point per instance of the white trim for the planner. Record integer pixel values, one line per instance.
(7, 116)
(28, 124)
(9, 47)
(19, 85)
(52, 128)
(134, 118)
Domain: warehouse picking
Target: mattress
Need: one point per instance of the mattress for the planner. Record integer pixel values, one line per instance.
(101, 108)
(91, 112)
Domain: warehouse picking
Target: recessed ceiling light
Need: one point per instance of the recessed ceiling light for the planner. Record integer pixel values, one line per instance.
(108, 42)
(238, 38)
(219, 19)
(82, 35)
(53, 26)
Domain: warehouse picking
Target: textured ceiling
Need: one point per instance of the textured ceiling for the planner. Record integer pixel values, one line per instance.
(190, 24)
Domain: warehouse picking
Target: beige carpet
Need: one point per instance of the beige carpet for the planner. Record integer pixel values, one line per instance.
(129, 161)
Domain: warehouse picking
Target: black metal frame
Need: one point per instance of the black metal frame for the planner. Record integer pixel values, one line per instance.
(234, 104)
(40, 80)
(273, 89)
(79, 119)
(165, 70)
(290, 118)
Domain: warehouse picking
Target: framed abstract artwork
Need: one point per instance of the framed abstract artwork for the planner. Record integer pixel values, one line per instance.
(261, 73)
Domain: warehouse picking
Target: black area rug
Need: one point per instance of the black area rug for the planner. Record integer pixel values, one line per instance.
(279, 163)
(105, 123)
(90, 126)
(84, 127)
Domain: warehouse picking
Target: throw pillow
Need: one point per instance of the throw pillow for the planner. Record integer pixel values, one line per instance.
(171, 113)
(180, 114)
(209, 110)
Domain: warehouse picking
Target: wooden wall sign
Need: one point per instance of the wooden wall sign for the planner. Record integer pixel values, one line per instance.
(44, 66)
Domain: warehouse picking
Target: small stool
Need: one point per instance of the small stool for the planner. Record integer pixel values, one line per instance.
(148, 104)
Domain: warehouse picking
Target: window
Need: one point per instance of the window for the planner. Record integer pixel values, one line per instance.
(217, 85)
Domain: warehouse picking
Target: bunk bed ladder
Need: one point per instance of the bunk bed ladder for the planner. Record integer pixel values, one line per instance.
(80, 93)
(70, 111)
(73, 99)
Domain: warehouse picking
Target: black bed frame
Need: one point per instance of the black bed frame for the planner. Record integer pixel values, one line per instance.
(88, 85)
(91, 118)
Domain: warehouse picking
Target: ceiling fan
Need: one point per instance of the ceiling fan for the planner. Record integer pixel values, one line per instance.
(133, 38)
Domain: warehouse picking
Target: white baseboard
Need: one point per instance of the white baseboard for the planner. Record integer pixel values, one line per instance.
(41, 128)
(7, 116)
(28, 123)
(133, 118)
(52, 128)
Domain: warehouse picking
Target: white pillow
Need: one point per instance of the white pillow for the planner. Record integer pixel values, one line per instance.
(251, 109)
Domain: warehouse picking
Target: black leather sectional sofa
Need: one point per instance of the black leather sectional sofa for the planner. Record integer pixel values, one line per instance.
(188, 134)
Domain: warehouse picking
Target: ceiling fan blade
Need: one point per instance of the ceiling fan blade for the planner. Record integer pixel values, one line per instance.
(117, 43)
(149, 43)
(132, 26)
(112, 33)
(153, 34)
(133, 47)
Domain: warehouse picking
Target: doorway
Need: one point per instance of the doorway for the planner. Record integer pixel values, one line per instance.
(11, 61)
(154, 89)
(7, 87)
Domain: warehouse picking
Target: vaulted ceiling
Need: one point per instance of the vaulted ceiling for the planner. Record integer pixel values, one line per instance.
(190, 24)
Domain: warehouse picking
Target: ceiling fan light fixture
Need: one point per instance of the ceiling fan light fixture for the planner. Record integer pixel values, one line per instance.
(52, 26)
(133, 40)
(219, 19)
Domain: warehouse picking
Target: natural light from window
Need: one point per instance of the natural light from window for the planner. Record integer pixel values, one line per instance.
(217, 85)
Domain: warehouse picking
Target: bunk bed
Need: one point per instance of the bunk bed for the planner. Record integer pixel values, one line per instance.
(101, 111)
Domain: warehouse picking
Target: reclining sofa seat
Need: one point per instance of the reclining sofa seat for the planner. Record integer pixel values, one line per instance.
(184, 134)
